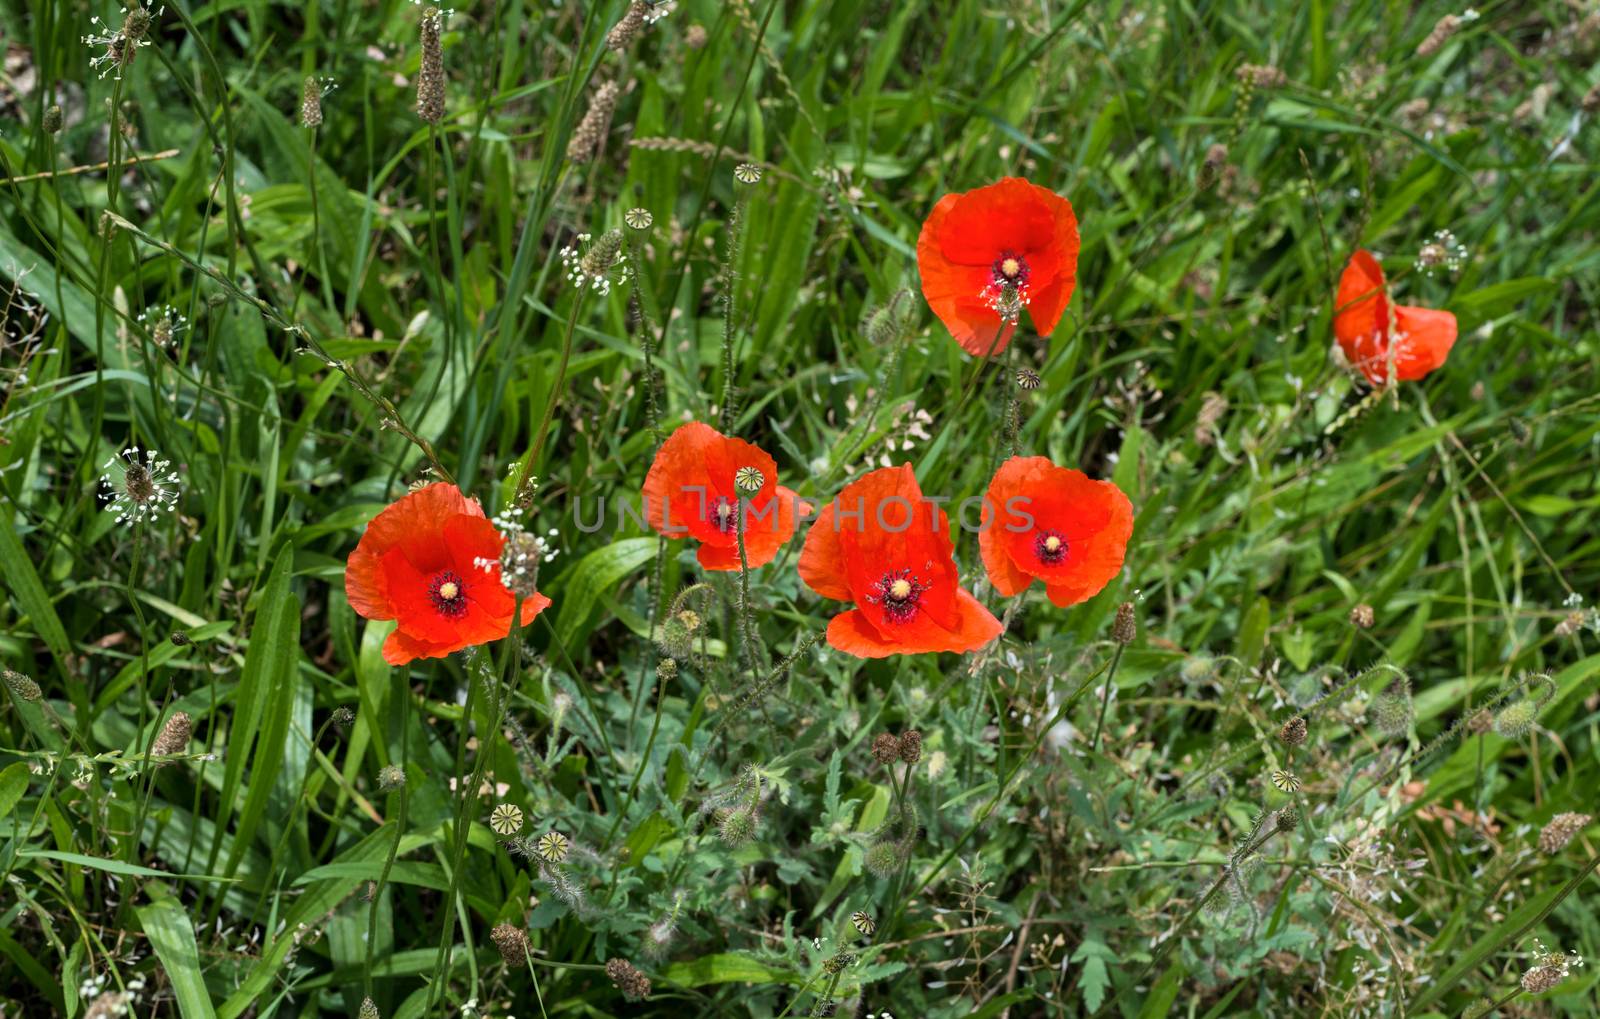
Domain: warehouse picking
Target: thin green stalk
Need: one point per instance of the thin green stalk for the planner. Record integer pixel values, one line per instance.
(1105, 699)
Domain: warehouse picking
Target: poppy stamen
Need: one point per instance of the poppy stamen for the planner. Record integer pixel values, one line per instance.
(1050, 547)
(448, 594)
(724, 514)
(898, 592)
(1007, 291)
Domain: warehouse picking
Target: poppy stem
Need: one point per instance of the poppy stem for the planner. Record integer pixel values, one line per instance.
(1105, 697)
(730, 285)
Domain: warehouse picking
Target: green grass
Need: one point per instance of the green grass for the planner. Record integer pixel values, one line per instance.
(378, 301)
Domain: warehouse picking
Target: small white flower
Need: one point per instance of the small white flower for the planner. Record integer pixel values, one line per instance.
(139, 486)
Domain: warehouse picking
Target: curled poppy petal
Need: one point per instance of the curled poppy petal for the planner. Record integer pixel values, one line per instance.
(708, 486)
(430, 561)
(1379, 337)
(1054, 524)
(986, 254)
(883, 546)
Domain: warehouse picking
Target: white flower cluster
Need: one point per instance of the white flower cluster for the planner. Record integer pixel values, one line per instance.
(138, 485)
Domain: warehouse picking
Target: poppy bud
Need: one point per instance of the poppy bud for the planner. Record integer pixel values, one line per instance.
(180, 639)
(52, 119)
(1515, 720)
(882, 859)
(736, 827)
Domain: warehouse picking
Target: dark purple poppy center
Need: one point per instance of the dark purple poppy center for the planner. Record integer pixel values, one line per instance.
(448, 593)
(1050, 547)
(898, 592)
(1010, 269)
(723, 513)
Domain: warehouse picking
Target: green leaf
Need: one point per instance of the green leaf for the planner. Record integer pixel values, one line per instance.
(23, 580)
(13, 783)
(118, 866)
(266, 692)
(167, 925)
(725, 968)
(595, 574)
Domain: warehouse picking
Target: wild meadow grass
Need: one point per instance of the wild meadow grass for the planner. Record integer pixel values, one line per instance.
(1327, 744)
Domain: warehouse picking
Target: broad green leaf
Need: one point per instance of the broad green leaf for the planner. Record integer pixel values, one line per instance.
(166, 923)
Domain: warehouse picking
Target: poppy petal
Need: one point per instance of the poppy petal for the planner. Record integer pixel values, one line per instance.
(822, 564)
(1423, 338)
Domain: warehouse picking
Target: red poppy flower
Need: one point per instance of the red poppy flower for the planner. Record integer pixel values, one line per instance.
(1372, 331)
(883, 546)
(419, 562)
(986, 254)
(1049, 523)
(696, 485)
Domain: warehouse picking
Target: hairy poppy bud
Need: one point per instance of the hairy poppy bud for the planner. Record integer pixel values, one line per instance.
(52, 119)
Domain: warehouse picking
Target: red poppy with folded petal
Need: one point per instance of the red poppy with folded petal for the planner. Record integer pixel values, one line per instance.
(431, 561)
(883, 546)
(1376, 334)
(984, 255)
(695, 489)
(1049, 523)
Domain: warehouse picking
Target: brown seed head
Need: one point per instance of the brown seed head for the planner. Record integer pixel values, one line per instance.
(1293, 732)
(369, 1010)
(430, 76)
(1443, 29)
(625, 31)
(1362, 617)
(694, 37)
(885, 748)
(588, 140)
(512, 942)
(635, 986)
(1260, 75)
(22, 687)
(311, 103)
(174, 737)
(1543, 978)
(911, 746)
(1563, 828)
(1124, 628)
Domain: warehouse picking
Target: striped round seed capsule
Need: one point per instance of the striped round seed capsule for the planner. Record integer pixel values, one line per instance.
(1286, 781)
(749, 479)
(1029, 379)
(864, 923)
(638, 219)
(553, 847)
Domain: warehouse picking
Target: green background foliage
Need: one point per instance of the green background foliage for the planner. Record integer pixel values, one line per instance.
(375, 301)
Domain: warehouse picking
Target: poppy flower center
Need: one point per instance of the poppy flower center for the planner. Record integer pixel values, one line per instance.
(898, 592)
(448, 594)
(1050, 547)
(724, 514)
(1007, 291)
